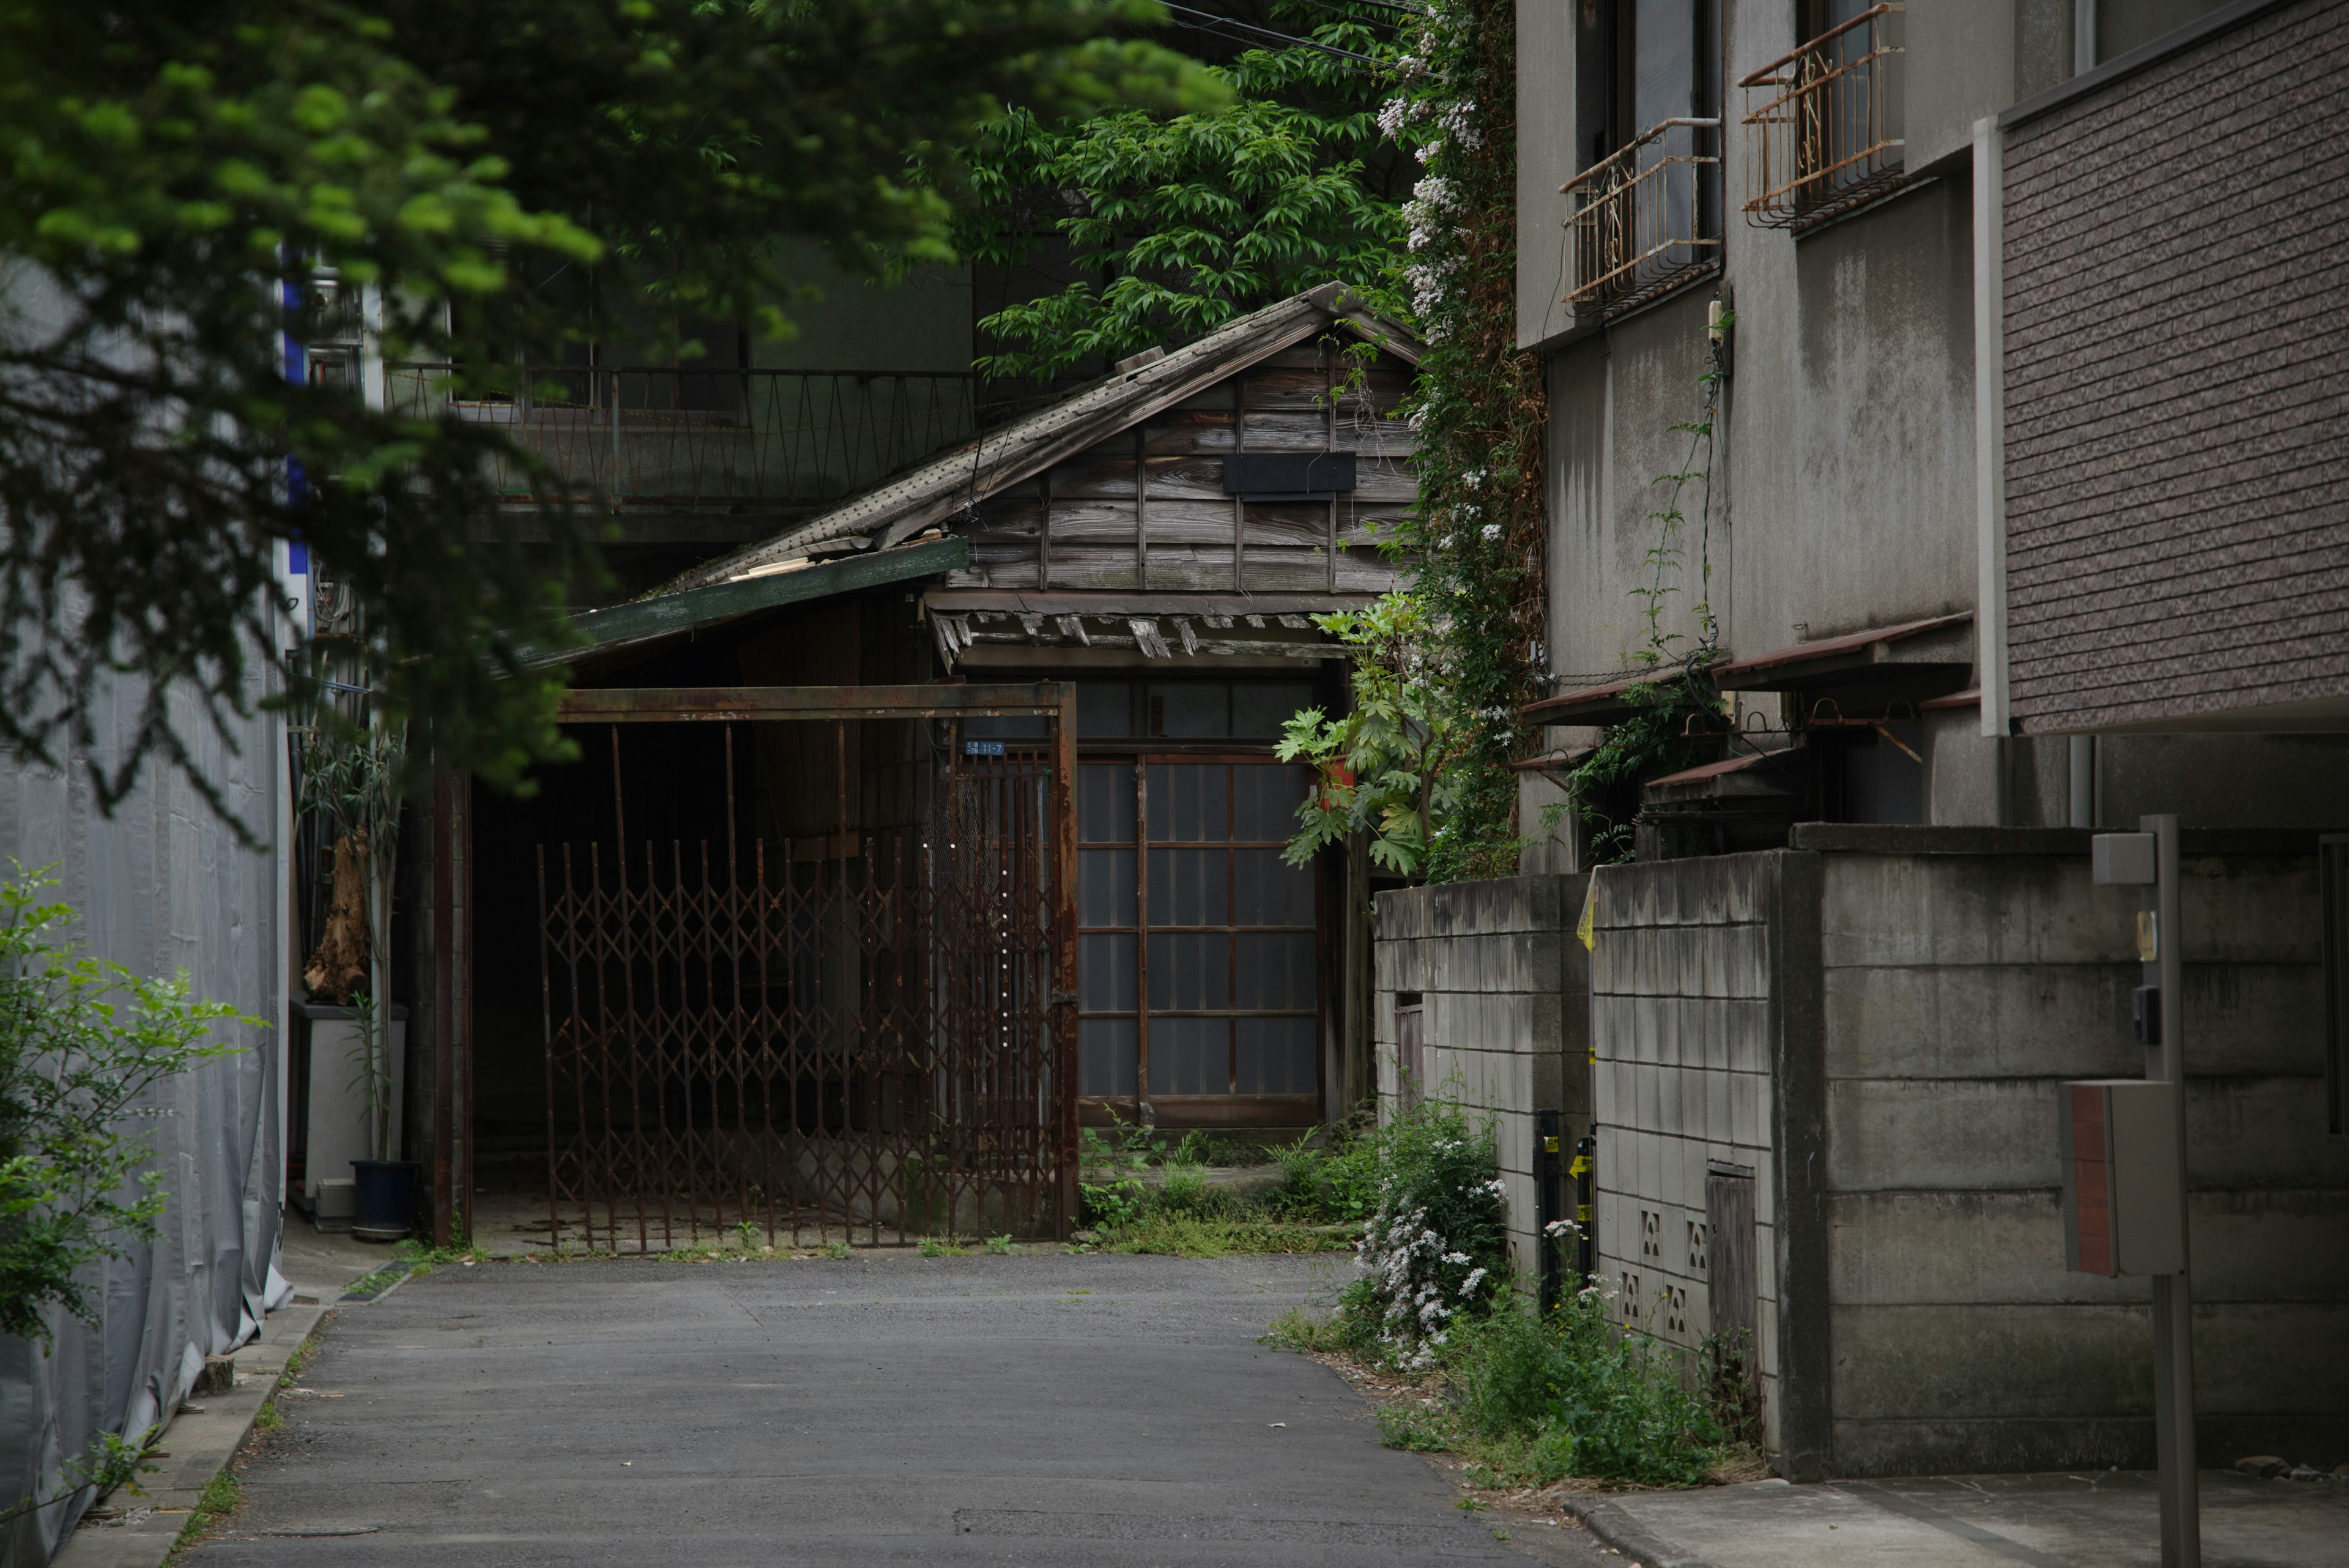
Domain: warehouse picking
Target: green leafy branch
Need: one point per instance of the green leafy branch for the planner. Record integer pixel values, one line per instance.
(82, 1041)
(1387, 767)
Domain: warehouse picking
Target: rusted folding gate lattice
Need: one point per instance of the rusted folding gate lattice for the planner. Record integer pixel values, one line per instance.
(876, 1044)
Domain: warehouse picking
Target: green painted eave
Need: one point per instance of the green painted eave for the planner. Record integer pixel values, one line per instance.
(671, 615)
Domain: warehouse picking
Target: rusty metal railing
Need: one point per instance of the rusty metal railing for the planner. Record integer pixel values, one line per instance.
(1823, 123)
(663, 436)
(1646, 218)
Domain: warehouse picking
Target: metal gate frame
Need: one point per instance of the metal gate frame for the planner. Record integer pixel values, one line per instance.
(1054, 701)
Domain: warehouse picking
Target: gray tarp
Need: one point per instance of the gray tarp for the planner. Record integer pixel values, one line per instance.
(162, 886)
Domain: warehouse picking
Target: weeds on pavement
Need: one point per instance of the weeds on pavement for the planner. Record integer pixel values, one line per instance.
(222, 1496)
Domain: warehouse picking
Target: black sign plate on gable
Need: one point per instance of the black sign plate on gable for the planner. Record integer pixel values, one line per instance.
(1287, 475)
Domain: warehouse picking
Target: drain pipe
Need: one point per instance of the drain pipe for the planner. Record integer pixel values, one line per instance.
(2083, 781)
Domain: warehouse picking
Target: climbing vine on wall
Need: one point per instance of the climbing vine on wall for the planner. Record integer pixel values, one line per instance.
(1677, 707)
(1478, 413)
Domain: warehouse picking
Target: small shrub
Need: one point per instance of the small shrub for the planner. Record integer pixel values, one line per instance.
(836, 1251)
(1000, 1245)
(1535, 1397)
(1434, 1250)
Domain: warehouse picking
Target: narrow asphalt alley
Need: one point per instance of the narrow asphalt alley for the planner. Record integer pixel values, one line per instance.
(1026, 1409)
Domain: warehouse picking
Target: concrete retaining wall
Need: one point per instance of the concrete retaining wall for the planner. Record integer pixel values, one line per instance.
(1503, 985)
(1876, 1022)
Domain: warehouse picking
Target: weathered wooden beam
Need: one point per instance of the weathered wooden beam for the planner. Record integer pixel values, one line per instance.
(750, 704)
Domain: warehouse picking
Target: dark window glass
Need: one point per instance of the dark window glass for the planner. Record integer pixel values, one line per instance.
(1190, 802)
(1260, 710)
(1190, 1056)
(1275, 1055)
(1190, 972)
(1190, 887)
(1190, 710)
(1104, 709)
(1107, 1056)
(1107, 981)
(1016, 727)
(1266, 892)
(1265, 802)
(1105, 805)
(1105, 888)
(1274, 971)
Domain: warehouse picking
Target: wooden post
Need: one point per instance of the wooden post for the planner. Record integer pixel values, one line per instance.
(1063, 987)
(444, 1004)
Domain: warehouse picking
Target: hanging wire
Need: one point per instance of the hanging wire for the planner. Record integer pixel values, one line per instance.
(1289, 38)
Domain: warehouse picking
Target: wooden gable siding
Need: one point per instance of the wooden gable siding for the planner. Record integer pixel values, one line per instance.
(1187, 525)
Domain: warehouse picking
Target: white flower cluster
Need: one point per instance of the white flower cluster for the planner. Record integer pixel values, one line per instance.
(1431, 222)
(1407, 1264)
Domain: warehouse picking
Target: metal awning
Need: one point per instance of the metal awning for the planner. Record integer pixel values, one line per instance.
(1592, 704)
(1914, 660)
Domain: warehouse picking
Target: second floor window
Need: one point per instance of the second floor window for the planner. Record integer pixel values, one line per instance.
(1646, 210)
(1823, 124)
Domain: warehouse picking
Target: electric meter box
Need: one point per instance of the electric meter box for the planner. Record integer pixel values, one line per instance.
(2124, 1209)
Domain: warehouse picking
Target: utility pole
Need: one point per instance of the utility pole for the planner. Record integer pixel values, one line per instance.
(2125, 1166)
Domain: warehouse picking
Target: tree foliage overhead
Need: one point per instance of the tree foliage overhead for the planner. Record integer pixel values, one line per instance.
(1174, 223)
(176, 175)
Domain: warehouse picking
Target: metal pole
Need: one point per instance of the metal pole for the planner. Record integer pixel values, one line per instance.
(1546, 1195)
(1586, 1246)
(2173, 1313)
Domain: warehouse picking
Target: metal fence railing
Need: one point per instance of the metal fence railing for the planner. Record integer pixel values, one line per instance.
(683, 437)
(1823, 124)
(1646, 218)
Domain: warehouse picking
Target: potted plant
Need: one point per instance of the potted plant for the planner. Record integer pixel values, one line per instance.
(354, 781)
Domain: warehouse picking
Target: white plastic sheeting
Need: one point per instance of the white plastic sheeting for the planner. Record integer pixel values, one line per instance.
(161, 886)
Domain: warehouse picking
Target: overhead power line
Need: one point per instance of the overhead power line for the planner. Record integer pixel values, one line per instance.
(1289, 38)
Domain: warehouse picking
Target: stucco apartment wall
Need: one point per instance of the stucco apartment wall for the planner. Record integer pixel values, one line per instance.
(1876, 1021)
(1503, 985)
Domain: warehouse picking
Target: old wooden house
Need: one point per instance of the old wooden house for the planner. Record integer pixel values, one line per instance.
(944, 819)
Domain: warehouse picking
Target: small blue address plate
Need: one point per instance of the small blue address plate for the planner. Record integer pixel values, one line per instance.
(982, 748)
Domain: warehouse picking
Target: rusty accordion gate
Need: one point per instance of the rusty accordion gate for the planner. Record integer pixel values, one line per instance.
(874, 1041)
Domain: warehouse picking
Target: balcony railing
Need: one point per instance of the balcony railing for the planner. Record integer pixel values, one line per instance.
(665, 436)
(1822, 124)
(1647, 218)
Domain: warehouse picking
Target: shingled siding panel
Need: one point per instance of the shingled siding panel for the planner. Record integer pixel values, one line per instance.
(2177, 472)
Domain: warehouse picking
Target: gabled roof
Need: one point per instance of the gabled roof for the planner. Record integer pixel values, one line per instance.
(901, 507)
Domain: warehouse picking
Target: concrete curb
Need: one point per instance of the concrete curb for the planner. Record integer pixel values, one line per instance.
(1618, 1529)
(198, 1444)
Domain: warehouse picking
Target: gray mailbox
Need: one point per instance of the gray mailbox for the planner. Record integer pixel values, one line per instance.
(2122, 1213)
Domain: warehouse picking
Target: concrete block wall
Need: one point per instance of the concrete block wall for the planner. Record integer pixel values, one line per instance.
(1960, 985)
(1876, 1022)
(1503, 985)
(1682, 1025)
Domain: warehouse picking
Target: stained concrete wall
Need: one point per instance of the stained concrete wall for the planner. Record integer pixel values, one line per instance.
(1503, 983)
(1919, 993)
